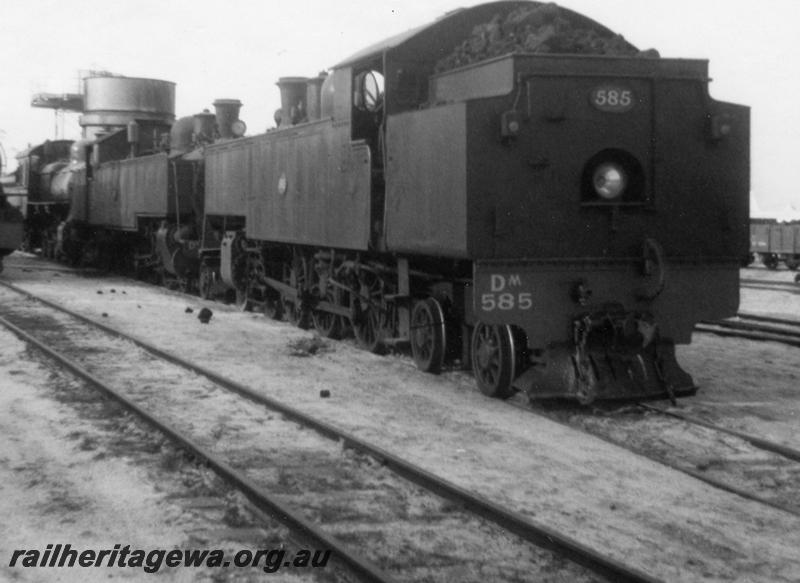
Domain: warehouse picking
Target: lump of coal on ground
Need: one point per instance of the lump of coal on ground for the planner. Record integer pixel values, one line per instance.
(543, 28)
(205, 315)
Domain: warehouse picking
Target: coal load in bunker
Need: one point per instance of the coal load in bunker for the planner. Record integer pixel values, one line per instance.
(512, 188)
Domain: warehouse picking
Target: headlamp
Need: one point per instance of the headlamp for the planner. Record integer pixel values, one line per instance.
(609, 180)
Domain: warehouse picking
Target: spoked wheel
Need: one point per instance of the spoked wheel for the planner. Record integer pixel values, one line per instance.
(770, 261)
(493, 359)
(327, 324)
(428, 335)
(367, 330)
(367, 319)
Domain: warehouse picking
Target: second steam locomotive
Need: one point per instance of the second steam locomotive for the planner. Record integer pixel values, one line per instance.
(511, 186)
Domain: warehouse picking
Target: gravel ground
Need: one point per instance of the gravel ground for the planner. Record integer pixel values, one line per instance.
(751, 386)
(76, 469)
(654, 518)
(409, 533)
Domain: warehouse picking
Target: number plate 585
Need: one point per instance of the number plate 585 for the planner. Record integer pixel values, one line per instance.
(613, 98)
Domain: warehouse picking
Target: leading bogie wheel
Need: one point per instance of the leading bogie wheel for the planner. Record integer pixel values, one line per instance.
(428, 335)
(493, 353)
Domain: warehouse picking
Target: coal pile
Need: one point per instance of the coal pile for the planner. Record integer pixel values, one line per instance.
(543, 28)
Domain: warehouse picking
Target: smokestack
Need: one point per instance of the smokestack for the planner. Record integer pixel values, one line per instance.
(180, 135)
(203, 126)
(314, 96)
(293, 99)
(227, 113)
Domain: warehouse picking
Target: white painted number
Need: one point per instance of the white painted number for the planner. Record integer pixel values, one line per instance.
(613, 98)
(506, 301)
(500, 298)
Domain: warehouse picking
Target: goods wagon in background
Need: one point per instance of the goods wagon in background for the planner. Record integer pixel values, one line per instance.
(774, 242)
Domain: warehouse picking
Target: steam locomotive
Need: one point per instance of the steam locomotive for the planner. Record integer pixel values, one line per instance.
(513, 187)
(11, 223)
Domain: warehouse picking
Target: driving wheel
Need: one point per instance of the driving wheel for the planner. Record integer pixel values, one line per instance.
(493, 359)
(428, 335)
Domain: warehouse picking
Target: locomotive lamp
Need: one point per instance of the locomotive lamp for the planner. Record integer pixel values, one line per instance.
(721, 126)
(609, 180)
(612, 177)
(509, 124)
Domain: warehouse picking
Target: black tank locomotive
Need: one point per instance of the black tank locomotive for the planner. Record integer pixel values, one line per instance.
(512, 186)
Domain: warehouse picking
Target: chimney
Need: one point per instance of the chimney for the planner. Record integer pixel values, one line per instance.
(227, 113)
(314, 96)
(203, 126)
(293, 99)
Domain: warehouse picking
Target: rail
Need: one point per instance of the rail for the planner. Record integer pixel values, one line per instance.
(522, 526)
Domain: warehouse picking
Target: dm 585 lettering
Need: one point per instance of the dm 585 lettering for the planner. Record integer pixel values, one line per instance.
(505, 294)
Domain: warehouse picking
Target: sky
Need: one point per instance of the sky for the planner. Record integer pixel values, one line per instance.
(239, 48)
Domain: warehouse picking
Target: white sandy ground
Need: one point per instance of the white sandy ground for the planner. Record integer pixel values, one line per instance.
(656, 519)
(752, 387)
(64, 478)
(53, 491)
(412, 535)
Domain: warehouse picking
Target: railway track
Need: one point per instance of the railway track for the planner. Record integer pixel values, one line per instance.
(761, 443)
(755, 327)
(749, 466)
(781, 464)
(769, 284)
(780, 468)
(409, 500)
